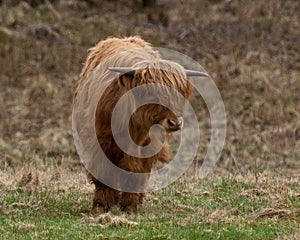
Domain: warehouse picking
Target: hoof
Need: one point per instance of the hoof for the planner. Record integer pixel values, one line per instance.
(96, 210)
(132, 209)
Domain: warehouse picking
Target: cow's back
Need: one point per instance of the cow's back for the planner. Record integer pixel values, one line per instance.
(112, 47)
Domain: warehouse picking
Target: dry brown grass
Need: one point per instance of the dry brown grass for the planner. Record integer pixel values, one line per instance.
(250, 48)
(109, 220)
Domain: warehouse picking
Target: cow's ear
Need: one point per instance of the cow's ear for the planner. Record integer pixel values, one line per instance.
(126, 79)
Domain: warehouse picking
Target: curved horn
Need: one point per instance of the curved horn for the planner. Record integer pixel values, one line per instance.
(121, 69)
(192, 73)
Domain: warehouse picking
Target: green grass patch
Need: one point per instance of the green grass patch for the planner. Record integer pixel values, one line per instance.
(210, 209)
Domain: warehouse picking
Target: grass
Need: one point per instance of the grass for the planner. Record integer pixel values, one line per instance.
(250, 48)
(232, 207)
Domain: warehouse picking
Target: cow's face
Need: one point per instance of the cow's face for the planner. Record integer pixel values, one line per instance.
(164, 104)
(151, 114)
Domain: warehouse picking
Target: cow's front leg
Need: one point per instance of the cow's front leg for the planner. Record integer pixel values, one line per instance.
(135, 184)
(104, 198)
(129, 202)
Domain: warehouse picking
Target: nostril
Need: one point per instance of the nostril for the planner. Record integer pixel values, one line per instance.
(175, 124)
(172, 123)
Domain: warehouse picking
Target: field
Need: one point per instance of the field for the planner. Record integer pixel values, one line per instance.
(51, 205)
(250, 48)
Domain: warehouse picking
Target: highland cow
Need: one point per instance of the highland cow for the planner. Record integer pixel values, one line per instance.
(140, 65)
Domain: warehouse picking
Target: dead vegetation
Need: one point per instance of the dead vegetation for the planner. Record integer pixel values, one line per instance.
(108, 220)
(278, 213)
(251, 48)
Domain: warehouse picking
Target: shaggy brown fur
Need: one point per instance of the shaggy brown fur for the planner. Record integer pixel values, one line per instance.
(150, 69)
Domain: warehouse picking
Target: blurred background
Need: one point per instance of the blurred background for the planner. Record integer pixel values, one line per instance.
(250, 48)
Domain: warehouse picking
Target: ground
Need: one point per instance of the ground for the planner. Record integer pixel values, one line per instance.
(250, 48)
